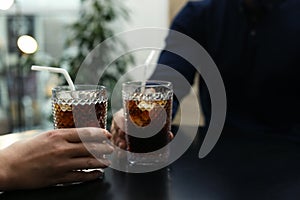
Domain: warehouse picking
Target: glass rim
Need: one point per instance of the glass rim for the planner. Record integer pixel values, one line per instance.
(79, 87)
(151, 83)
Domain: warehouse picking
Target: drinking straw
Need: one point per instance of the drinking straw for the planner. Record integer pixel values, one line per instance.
(55, 70)
(147, 62)
(146, 65)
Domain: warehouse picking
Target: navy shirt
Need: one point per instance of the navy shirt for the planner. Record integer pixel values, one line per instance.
(257, 52)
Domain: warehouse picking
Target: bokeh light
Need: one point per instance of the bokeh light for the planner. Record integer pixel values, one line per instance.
(6, 4)
(27, 44)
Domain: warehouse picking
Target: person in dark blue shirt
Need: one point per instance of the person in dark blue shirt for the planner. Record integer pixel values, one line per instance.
(256, 46)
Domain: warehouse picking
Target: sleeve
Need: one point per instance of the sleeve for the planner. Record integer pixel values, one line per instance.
(173, 67)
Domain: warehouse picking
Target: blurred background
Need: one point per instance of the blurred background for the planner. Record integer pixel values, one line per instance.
(60, 33)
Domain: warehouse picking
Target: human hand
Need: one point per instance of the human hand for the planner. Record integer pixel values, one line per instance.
(117, 130)
(54, 157)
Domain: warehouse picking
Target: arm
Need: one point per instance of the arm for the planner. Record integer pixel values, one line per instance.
(54, 157)
(173, 62)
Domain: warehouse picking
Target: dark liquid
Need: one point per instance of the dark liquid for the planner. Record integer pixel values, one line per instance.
(139, 119)
(88, 115)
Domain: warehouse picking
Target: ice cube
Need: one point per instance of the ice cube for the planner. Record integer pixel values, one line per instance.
(143, 105)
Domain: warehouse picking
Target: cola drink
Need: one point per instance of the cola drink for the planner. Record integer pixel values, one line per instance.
(84, 107)
(148, 114)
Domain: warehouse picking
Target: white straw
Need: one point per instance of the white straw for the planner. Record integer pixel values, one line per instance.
(55, 70)
(149, 58)
(146, 66)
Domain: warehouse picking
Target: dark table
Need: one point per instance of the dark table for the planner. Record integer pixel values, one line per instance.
(241, 166)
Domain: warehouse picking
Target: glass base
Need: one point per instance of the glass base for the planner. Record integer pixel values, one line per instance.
(148, 159)
(79, 182)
